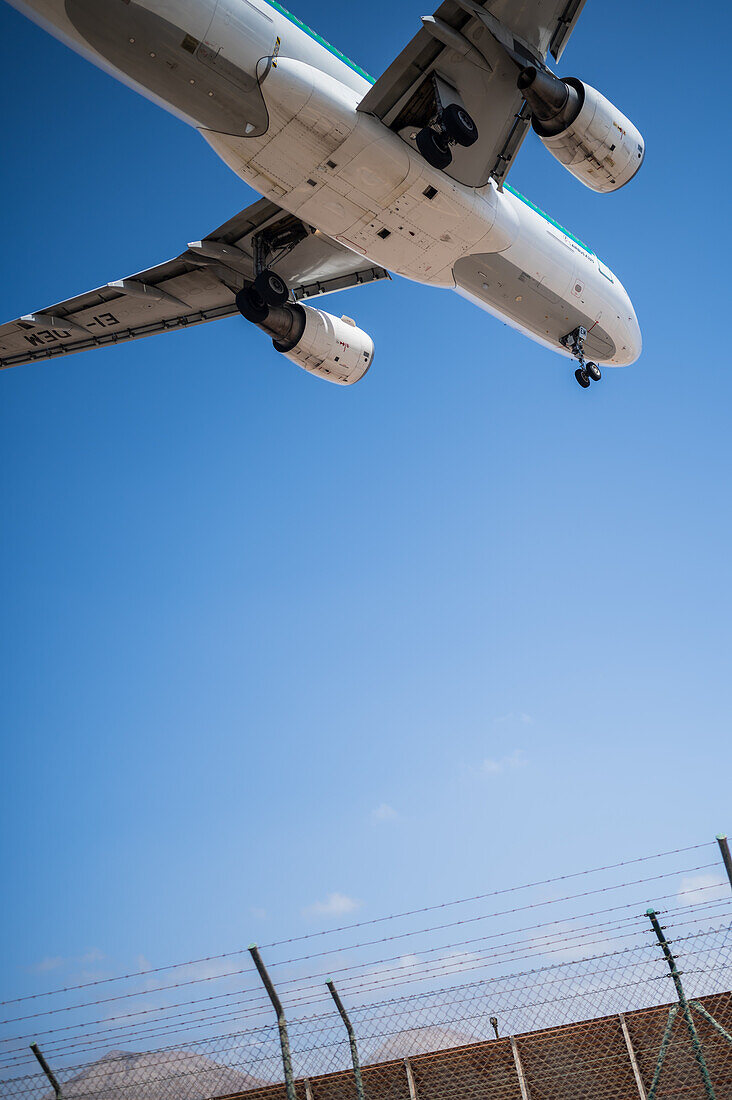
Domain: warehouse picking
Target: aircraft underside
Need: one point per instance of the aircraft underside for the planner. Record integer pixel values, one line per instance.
(361, 180)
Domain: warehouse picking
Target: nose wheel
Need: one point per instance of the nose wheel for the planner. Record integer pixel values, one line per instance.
(586, 372)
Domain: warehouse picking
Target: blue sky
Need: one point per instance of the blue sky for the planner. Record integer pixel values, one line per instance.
(266, 641)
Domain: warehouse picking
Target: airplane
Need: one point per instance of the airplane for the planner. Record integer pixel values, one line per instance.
(361, 178)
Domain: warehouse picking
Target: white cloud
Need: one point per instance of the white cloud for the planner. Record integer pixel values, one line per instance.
(395, 973)
(205, 970)
(384, 812)
(93, 955)
(48, 964)
(697, 889)
(505, 764)
(571, 942)
(335, 905)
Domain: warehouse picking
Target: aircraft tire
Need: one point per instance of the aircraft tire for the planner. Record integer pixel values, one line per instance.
(252, 305)
(459, 126)
(582, 377)
(271, 287)
(434, 148)
(593, 372)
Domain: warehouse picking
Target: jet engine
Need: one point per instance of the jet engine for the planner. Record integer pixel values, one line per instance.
(582, 129)
(333, 348)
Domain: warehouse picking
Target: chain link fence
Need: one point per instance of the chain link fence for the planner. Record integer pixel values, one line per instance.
(612, 1005)
(587, 1028)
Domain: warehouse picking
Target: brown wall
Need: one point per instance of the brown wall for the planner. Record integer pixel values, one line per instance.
(586, 1061)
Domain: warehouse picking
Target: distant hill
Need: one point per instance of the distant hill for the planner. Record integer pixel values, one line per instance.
(170, 1075)
(421, 1040)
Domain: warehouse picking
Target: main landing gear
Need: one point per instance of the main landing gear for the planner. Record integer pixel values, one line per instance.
(586, 372)
(453, 127)
(271, 287)
(252, 305)
(268, 291)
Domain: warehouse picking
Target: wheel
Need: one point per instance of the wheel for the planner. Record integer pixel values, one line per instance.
(459, 126)
(582, 377)
(593, 372)
(272, 288)
(252, 305)
(434, 148)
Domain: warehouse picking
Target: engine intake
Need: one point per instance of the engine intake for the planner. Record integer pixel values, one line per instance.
(582, 129)
(333, 348)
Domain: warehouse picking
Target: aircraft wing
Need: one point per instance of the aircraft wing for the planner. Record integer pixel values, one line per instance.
(199, 285)
(469, 45)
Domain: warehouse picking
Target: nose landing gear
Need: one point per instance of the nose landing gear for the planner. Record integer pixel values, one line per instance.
(586, 372)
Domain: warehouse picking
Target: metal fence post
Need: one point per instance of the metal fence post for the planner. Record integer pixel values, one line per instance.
(662, 1052)
(520, 1070)
(695, 1041)
(281, 1021)
(47, 1070)
(710, 1019)
(410, 1080)
(727, 858)
(633, 1059)
(351, 1039)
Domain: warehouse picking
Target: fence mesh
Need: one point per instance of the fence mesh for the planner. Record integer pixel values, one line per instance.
(575, 1008)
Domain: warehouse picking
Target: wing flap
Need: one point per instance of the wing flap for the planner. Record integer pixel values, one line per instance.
(565, 25)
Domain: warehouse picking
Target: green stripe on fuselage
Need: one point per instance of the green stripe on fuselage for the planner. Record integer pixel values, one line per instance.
(321, 41)
(548, 218)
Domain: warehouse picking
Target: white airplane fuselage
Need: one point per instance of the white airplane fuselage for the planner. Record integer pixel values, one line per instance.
(279, 106)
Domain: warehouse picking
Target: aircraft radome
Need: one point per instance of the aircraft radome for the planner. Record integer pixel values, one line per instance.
(405, 174)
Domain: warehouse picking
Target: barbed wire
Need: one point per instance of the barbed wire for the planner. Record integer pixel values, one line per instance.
(350, 927)
(386, 939)
(536, 944)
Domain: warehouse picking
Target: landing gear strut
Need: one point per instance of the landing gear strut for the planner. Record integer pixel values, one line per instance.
(586, 372)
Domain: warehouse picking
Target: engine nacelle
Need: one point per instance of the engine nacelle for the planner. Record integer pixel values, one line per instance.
(583, 130)
(331, 347)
